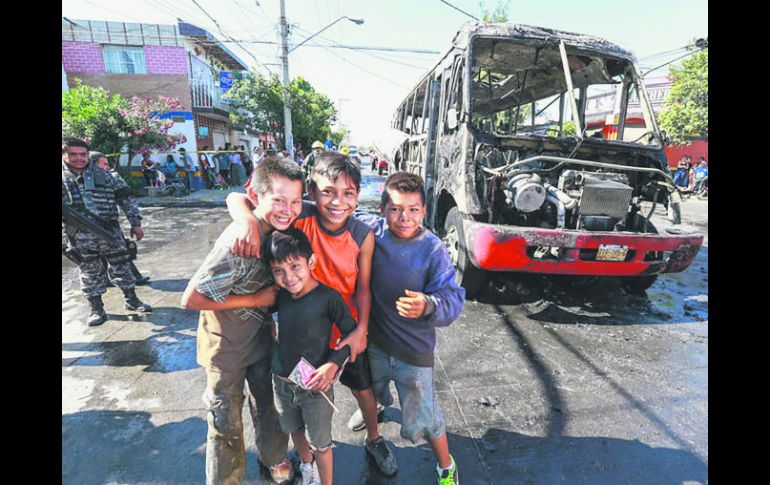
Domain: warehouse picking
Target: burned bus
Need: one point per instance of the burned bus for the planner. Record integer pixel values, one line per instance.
(516, 181)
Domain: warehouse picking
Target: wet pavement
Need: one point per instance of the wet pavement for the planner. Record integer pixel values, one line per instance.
(541, 381)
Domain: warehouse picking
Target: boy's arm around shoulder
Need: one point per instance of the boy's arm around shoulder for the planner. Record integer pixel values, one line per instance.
(247, 242)
(211, 286)
(447, 297)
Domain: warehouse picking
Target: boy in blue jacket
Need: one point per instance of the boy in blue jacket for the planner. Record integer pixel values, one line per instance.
(413, 292)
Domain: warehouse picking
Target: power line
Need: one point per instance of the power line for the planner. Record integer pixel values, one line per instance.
(258, 64)
(466, 13)
(669, 62)
(366, 53)
(379, 76)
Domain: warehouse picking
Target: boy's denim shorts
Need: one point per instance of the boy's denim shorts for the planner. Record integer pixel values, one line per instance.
(297, 408)
(420, 414)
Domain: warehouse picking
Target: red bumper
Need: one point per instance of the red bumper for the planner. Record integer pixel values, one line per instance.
(510, 248)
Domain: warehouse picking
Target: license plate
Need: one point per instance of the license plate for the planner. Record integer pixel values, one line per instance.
(611, 252)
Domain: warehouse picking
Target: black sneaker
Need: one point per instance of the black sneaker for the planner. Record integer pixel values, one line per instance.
(383, 456)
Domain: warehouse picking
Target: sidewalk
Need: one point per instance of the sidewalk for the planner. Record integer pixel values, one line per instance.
(199, 198)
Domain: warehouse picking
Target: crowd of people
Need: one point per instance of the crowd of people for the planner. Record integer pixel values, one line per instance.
(295, 296)
(692, 179)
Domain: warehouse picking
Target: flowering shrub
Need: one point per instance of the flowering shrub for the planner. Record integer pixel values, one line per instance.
(109, 122)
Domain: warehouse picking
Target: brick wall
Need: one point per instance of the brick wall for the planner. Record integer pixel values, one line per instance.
(142, 85)
(82, 57)
(165, 60)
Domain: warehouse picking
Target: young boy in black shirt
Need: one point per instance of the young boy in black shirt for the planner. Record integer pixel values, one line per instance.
(306, 311)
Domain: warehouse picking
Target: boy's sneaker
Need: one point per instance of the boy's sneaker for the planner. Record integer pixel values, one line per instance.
(385, 459)
(356, 421)
(282, 472)
(309, 473)
(448, 477)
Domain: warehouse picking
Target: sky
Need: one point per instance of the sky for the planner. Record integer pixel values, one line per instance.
(366, 86)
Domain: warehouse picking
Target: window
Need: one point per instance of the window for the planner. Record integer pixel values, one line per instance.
(124, 60)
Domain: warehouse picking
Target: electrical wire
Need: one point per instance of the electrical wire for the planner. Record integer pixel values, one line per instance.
(462, 11)
(377, 75)
(365, 53)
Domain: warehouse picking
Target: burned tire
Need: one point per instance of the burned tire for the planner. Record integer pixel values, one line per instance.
(467, 275)
(637, 285)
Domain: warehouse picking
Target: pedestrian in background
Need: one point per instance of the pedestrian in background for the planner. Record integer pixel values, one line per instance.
(247, 165)
(189, 168)
(209, 178)
(149, 169)
(223, 164)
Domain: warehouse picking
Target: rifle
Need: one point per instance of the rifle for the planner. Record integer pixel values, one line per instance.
(88, 221)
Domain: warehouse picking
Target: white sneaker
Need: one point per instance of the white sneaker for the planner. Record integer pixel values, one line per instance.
(356, 421)
(309, 473)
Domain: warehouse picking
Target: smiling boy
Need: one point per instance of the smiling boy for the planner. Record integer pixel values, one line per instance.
(343, 247)
(307, 311)
(234, 342)
(414, 291)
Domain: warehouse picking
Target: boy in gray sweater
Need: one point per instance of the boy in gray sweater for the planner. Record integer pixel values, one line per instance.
(413, 292)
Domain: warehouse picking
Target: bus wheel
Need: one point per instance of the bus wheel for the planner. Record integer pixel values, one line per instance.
(467, 275)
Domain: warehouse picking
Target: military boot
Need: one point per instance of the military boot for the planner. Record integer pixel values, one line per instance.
(133, 303)
(97, 315)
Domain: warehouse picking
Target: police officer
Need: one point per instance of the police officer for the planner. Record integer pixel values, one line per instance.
(128, 204)
(87, 187)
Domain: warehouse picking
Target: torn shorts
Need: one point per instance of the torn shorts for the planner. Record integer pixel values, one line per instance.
(299, 408)
(420, 414)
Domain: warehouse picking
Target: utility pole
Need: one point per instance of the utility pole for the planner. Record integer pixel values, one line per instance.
(288, 137)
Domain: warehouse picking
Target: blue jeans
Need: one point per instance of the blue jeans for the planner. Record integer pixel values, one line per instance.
(420, 414)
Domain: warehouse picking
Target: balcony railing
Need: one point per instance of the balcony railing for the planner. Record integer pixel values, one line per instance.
(206, 95)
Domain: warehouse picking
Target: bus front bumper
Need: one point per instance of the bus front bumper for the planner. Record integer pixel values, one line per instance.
(562, 251)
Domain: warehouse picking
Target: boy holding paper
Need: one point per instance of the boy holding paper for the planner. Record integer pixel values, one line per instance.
(306, 311)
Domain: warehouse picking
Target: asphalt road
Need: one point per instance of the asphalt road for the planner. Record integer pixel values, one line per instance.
(541, 381)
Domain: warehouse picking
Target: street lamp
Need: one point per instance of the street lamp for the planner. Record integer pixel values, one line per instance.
(355, 21)
(288, 137)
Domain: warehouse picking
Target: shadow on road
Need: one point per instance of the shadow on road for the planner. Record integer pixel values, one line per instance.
(600, 300)
(126, 447)
(167, 350)
(177, 286)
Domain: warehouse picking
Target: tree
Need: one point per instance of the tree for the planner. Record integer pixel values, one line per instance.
(686, 113)
(258, 105)
(110, 122)
(337, 136)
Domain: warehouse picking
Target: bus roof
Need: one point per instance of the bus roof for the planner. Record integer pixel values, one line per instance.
(524, 32)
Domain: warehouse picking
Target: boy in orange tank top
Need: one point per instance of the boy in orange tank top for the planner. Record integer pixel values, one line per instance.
(344, 248)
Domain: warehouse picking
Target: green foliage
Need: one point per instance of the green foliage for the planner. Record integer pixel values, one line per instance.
(92, 114)
(499, 14)
(686, 113)
(568, 129)
(110, 122)
(258, 103)
(338, 135)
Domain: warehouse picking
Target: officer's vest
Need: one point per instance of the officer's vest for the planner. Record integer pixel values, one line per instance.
(98, 198)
